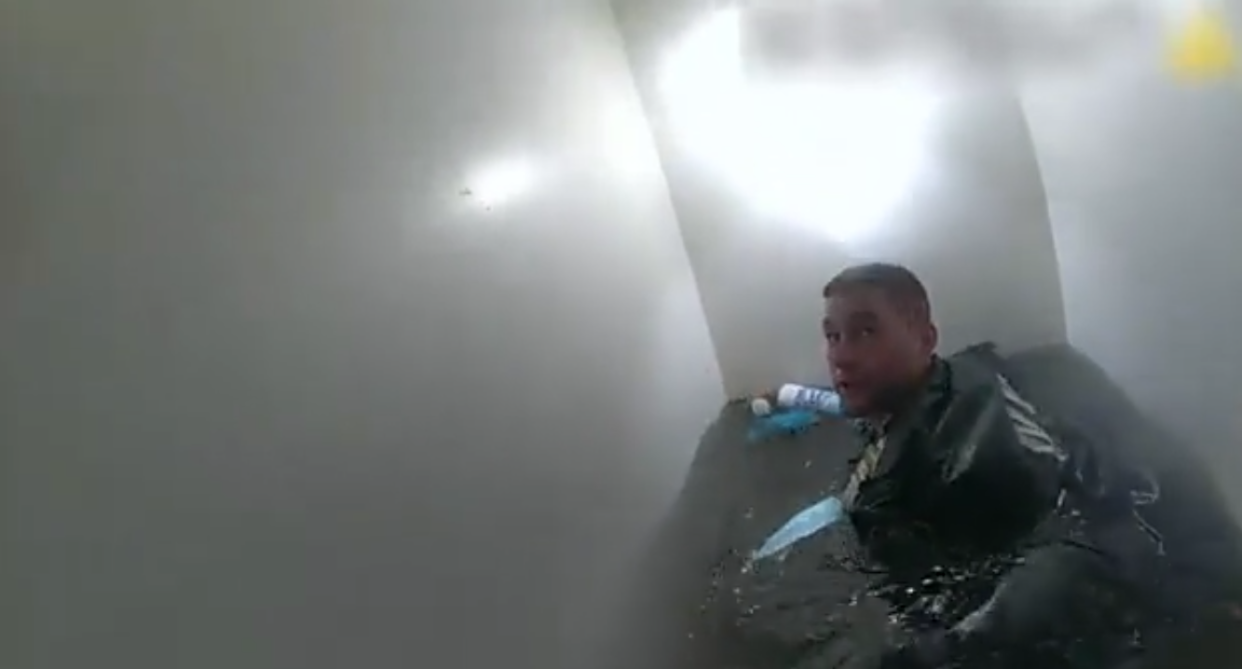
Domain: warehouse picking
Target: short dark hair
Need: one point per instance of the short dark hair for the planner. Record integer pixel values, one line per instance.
(898, 284)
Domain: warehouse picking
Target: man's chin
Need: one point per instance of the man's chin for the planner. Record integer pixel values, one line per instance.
(855, 407)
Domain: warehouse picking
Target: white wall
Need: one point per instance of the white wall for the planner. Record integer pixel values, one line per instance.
(973, 223)
(1143, 181)
(274, 394)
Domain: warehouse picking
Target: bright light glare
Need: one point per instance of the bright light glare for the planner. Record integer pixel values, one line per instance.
(838, 155)
(499, 182)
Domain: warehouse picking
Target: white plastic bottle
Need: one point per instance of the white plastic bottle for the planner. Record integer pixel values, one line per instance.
(795, 396)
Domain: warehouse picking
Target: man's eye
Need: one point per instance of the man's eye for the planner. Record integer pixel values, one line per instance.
(866, 332)
(832, 337)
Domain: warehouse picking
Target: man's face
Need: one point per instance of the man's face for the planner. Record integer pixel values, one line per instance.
(875, 351)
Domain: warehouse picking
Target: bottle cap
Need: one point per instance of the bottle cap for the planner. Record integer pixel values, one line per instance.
(760, 406)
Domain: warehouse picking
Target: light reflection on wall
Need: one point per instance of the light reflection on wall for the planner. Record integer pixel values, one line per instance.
(498, 182)
(834, 153)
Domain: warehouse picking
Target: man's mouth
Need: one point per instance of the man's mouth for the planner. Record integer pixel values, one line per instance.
(852, 389)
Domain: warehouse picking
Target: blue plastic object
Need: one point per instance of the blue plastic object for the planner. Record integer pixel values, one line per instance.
(814, 518)
(786, 422)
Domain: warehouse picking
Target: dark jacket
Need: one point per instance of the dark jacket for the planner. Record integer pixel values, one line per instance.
(1001, 537)
(994, 526)
(956, 477)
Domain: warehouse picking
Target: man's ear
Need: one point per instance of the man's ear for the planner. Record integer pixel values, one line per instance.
(931, 338)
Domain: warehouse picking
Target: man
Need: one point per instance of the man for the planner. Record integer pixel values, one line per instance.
(981, 534)
(959, 472)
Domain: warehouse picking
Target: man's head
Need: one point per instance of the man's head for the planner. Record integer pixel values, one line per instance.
(880, 336)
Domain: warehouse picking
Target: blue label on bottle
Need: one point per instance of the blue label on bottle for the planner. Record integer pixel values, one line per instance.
(822, 400)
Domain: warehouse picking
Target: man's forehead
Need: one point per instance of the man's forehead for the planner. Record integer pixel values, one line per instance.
(855, 302)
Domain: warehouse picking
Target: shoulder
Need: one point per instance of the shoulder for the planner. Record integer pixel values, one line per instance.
(982, 400)
(981, 371)
(975, 368)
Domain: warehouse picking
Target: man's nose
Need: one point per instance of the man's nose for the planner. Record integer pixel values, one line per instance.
(841, 357)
